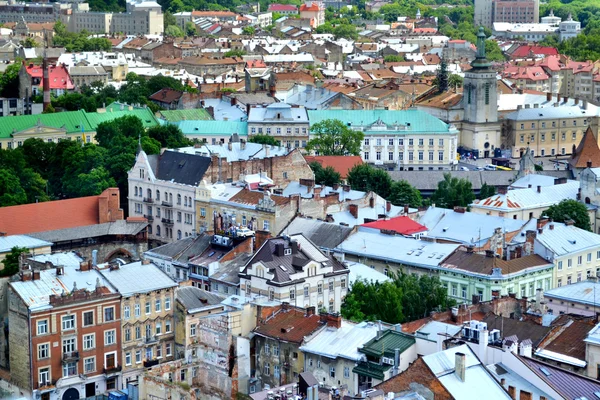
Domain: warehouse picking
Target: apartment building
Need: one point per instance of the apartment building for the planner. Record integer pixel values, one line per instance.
(528, 78)
(65, 333)
(293, 270)
(285, 123)
(514, 11)
(147, 305)
(399, 139)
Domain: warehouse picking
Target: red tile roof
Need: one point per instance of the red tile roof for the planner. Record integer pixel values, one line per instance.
(282, 7)
(255, 64)
(525, 51)
(586, 151)
(291, 325)
(342, 164)
(166, 95)
(529, 73)
(311, 7)
(402, 225)
(49, 216)
(58, 74)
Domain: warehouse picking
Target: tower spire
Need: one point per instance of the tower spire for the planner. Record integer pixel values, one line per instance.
(481, 60)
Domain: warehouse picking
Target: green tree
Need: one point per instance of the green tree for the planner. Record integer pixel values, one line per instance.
(11, 261)
(249, 30)
(493, 52)
(174, 31)
(9, 80)
(455, 81)
(93, 182)
(345, 31)
(442, 76)
(190, 29)
(235, 53)
(402, 193)
(452, 192)
(366, 178)
(327, 176)
(29, 43)
(11, 191)
(264, 139)
(169, 135)
(393, 58)
(332, 137)
(49, 109)
(486, 191)
(570, 209)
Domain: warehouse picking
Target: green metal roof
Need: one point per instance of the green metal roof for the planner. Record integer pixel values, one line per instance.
(373, 370)
(195, 114)
(387, 343)
(420, 121)
(116, 106)
(144, 114)
(72, 121)
(213, 127)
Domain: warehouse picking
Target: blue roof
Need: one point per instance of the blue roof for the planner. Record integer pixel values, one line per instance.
(213, 127)
(415, 121)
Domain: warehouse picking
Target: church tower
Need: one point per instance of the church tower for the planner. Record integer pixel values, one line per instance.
(480, 130)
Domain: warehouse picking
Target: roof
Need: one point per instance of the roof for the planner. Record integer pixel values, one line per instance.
(417, 372)
(193, 298)
(584, 292)
(49, 215)
(566, 239)
(312, 6)
(36, 293)
(341, 164)
(527, 51)
(342, 342)
(568, 384)
(513, 327)
(144, 115)
(8, 242)
(66, 259)
(282, 7)
(569, 340)
(120, 227)
(522, 199)
(432, 328)
(402, 225)
(137, 277)
(369, 243)
(166, 95)
(194, 114)
(325, 234)
(179, 167)
(207, 127)
(229, 271)
(587, 151)
(58, 74)
(545, 113)
(364, 272)
(181, 250)
(278, 113)
(483, 265)
(238, 152)
(478, 383)
(254, 198)
(420, 121)
(386, 344)
(290, 325)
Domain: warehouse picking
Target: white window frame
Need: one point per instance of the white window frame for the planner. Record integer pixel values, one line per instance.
(108, 334)
(126, 312)
(68, 326)
(43, 323)
(86, 340)
(45, 348)
(85, 365)
(128, 358)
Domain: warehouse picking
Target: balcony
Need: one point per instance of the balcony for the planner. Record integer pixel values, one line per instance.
(148, 200)
(149, 217)
(168, 204)
(168, 221)
(112, 370)
(150, 363)
(150, 339)
(70, 356)
(46, 384)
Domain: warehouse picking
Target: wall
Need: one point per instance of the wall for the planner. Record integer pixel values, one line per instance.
(4, 323)
(19, 339)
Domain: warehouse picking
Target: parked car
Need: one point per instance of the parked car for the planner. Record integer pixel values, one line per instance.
(244, 232)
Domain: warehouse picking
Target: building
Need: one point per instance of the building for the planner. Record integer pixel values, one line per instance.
(402, 139)
(278, 337)
(384, 356)
(85, 75)
(579, 298)
(313, 11)
(586, 152)
(488, 12)
(569, 29)
(36, 246)
(283, 9)
(65, 333)
(147, 296)
(341, 164)
(287, 124)
(173, 258)
(531, 32)
(293, 270)
(332, 353)
(402, 225)
(30, 80)
(469, 276)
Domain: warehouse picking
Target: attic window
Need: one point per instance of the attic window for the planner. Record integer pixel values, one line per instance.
(287, 252)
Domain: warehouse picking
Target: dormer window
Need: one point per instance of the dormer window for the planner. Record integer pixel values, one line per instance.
(287, 252)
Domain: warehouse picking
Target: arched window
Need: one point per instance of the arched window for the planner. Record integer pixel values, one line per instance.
(171, 198)
(178, 234)
(157, 195)
(587, 200)
(178, 199)
(149, 192)
(136, 190)
(157, 230)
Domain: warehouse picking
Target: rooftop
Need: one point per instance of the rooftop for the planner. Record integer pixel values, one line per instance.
(584, 292)
(562, 239)
(290, 325)
(364, 272)
(482, 264)
(116, 228)
(137, 277)
(402, 225)
(179, 167)
(343, 342)
(239, 151)
(8, 242)
(327, 235)
(523, 330)
(195, 114)
(587, 151)
(193, 299)
(386, 344)
(181, 250)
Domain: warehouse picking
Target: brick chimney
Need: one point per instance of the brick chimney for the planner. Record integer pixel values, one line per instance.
(372, 202)
(502, 189)
(347, 188)
(353, 209)
(388, 206)
(260, 237)
(310, 310)
(460, 210)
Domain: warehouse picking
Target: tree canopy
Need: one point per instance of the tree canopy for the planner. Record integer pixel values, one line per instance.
(365, 177)
(452, 192)
(327, 176)
(406, 297)
(11, 261)
(570, 209)
(264, 139)
(333, 137)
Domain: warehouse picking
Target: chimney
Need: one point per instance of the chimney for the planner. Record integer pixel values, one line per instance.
(310, 310)
(483, 344)
(569, 222)
(525, 348)
(460, 361)
(26, 276)
(84, 265)
(589, 163)
(317, 192)
(502, 189)
(576, 101)
(372, 202)
(336, 186)
(406, 209)
(59, 271)
(347, 188)
(459, 209)
(334, 320)
(539, 189)
(489, 253)
(353, 209)
(396, 360)
(35, 275)
(548, 96)
(469, 249)
(229, 146)
(566, 98)
(440, 342)
(551, 227)
(388, 206)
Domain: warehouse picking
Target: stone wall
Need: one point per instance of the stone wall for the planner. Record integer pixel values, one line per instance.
(18, 341)
(4, 323)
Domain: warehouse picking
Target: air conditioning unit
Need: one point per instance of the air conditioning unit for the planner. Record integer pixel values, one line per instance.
(387, 360)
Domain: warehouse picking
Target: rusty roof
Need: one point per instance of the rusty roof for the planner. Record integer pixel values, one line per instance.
(569, 339)
(482, 264)
(166, 95)
(246, 196)
(291, 325)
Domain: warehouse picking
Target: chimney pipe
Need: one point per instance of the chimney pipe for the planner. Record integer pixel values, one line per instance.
(460, 360)
(539, 189)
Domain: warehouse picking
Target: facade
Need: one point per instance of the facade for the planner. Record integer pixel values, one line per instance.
(487, 12)
(532, 32)
(295, 271)
(30, 80)
(172, 258)
(147, 307)
(331, 354)
(403, 139)
(287, 124)
(64, 346)
(313, 11)
(578, 298)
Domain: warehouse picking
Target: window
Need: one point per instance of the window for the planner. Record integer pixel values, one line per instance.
(167, 303)
(127, 334)
(88, 318)
(292, 293)
(267, 349)
(128, 358)
(138, 356)
(137, 310)
(44, 376)
(378, 155)
(320, 288)
(159, 351)
(343, 283)
(569, 263)
(68, 322)
(579, 260)
(378, 141)
(331, 285)
(69, 369)
(69, 345)
(168, 349)
(89, 341)
(138, 332)
(560, 265)
(89, 365)
(331, 307)
(390, 156)
(265, 225)
(410, 156)
(126, 312)
(431, 142)
(332, 372)
(157, 305)
(310, 362)
(109, 337)
(276, 371)
(43, 351)
(109, 314)
(267, 369)
(391, 142)
(366, 142)
(147, 307)
(533, 125)
(589, 257)
(454, 290)
(431, 156)
(42, 326)
(579, 277)
(569, 280)
(168, 326)
(158, 328)
(420, 156)
(440, 156)
(346, 372)
(193, 330)
(203, 212)
(487, 93)
(366, 155)
(559, 282)
(421, 142)
(276, 350)
(318, 363)
(306, 290)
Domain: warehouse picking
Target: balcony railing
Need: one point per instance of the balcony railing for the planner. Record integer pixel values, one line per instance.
(148, 200)
(70, 356)
(150, 363)
(112, 370)
(168, 221)
(46, 384)
(149, 217)
(167, 204)
(150, 339)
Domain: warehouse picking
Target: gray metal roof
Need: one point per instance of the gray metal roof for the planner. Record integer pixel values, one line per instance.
(8, 242)
(567, 239)
(120, 227)
(324, 234)
(584, 292)
(228, 272)
(564, 112)
(138, 278)
(287, 114)
(193, 298)
(182, 250)
(186, 169)
(65, 259)
(237, 152)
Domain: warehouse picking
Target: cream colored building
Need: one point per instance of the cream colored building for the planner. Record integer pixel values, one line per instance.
(592, 352)
(147, 316)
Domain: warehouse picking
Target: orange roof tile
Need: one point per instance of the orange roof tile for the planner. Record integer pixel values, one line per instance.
(289, 325)
(586, 151)
(342, 164)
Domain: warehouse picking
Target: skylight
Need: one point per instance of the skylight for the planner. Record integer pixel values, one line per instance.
(545, 371)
